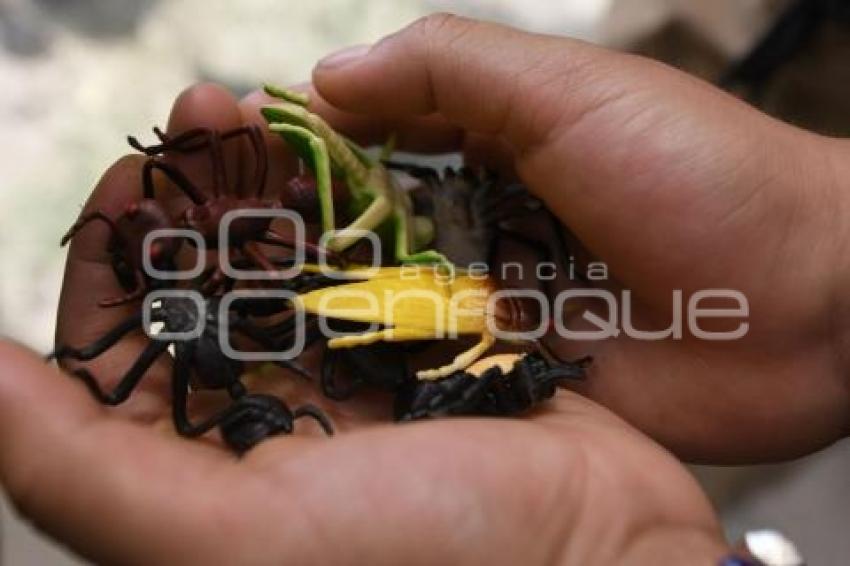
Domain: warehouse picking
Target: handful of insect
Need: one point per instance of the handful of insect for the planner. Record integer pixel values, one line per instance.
(371, 324)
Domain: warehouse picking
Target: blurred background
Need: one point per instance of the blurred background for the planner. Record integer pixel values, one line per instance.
(77, 76)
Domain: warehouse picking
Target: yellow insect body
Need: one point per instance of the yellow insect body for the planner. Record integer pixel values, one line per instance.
(411, 303)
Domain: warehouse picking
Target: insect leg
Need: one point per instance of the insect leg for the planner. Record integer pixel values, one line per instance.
(100, 345)
(403, 252)
(175, 175)
(261, 167)
(790, 33)
(328, 377)
(461, 362)
(181, 143)
(84, 220)
(379, 210)
(258, 335)
(215, 280)
(141, 288)
(253, 251)
(273, 238)
(180, 399)
(313, 149)
(244, 407)
(386, 335)
(576, 370)
(315, 413)
(130, 380)
(216, 148)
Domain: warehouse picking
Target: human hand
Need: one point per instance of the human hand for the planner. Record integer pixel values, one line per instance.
(675, 186)
(574, 485)
(120, 477)
(569, 485)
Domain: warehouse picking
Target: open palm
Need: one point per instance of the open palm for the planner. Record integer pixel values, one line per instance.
(674, 185)
(567, 485)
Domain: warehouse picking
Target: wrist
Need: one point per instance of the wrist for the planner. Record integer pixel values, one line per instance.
(675, 545)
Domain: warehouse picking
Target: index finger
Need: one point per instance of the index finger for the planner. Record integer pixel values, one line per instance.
(101, 484)
(90, 279)
(90, 276)
(428, 134)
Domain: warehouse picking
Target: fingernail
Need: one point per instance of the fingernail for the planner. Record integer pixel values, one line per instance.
(345, 56)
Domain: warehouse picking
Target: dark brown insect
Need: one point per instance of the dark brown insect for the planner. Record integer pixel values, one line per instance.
(200, 362)
(125, 246)
(142, 217)
(300, 194)
(207, 209)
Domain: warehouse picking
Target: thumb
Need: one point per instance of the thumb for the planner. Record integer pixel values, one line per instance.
(100, 484)
(483, 77)
(611, 142)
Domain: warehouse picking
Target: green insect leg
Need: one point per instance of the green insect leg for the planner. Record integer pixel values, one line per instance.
(403, 252)
(375, 214)
(312, 148)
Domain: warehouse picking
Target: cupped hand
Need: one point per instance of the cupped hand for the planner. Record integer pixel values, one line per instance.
(676, 186)
(572, 484)
(673, 184)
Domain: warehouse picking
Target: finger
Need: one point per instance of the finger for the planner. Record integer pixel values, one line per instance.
(607, 140)
(430, 134)
(721, 416)
(207, 105)
(478, 76)
(425, 134)
(577, 453)
(604, 437)
(103, 485)
(283, 163)
(90, 279)
(490, 153)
